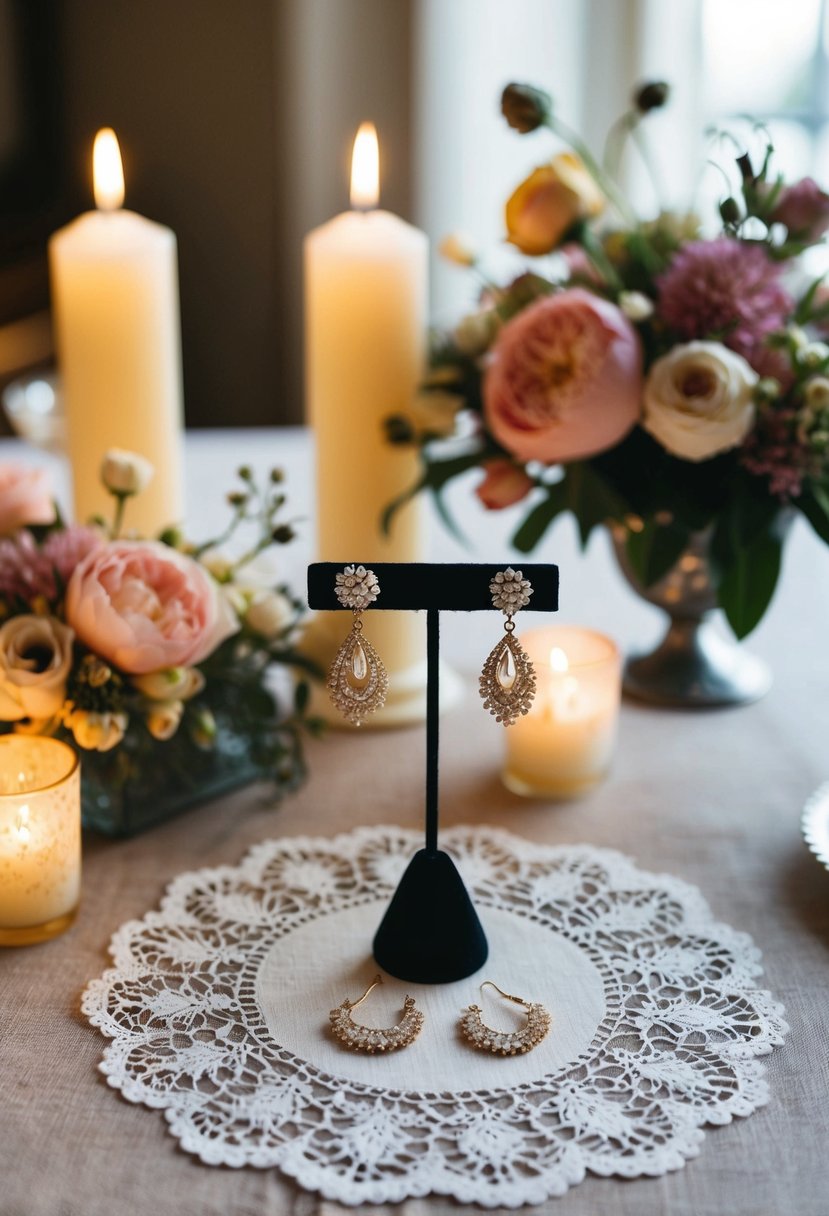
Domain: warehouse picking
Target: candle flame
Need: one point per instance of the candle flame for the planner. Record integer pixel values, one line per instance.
(558, 660)
(107, 171)
(22, 827)
(365, 169)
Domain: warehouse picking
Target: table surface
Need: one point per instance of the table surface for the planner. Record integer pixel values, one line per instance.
(714, 798)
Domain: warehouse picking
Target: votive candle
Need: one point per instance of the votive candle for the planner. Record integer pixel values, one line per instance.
(565, 744)
(40, 838)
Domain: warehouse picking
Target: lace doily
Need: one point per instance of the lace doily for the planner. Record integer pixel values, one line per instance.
(217, 1009)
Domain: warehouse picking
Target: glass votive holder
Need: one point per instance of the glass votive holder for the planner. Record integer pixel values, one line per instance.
(40, 838)
(564, 745)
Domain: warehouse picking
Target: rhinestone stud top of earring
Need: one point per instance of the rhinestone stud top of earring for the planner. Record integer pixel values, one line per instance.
(368, 1038)
(505, 1042)
(508, 681)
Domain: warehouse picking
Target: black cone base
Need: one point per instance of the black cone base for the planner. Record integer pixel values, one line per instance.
(431, 933)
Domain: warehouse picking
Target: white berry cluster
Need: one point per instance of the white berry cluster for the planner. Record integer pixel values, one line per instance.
(510, 591)
(357, 587)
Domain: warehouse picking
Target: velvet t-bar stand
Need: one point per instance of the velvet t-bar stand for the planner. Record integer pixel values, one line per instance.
(430, 933)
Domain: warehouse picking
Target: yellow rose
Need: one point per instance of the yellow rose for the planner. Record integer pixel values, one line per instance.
(549, 202)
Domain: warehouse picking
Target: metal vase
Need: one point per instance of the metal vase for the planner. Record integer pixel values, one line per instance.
(694, 666)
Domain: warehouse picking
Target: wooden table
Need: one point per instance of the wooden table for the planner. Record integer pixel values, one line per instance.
(714, 798)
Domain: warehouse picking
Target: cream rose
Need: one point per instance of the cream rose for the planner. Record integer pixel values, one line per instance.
(699, 400)
(35, 657)
(97, 732)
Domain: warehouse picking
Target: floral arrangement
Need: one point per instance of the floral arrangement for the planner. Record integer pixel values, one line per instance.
(145, 655)
(665, 377)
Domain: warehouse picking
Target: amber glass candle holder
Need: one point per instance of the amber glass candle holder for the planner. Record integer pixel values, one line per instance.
(40, 838)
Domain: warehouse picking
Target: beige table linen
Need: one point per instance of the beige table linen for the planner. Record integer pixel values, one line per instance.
(713, 798)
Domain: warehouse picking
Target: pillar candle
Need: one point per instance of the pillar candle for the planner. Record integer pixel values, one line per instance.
(366, 300)
(40, 838)
(565, 744)
(115, 298)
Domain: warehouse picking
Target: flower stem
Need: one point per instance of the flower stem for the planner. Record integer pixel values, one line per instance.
(118, 520)
(603, 180)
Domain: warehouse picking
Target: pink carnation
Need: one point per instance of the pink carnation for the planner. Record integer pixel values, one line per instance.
(28, 571)
(146, 607)
(25, 497)
(565, 379)
(726, 290)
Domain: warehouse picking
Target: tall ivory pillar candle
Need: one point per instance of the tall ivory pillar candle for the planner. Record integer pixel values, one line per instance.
(366, 301)
(115, 299)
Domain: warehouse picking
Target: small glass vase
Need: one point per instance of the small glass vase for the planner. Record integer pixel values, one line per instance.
(124, 792)
(694, 666)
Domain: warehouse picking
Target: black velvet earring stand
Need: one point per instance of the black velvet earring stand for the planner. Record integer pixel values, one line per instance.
(430, 933)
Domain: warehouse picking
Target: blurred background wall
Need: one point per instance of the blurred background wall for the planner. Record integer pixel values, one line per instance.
(236, 119)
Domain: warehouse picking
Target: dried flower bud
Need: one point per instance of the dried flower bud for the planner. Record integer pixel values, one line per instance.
(237, 499)
(277, 476)
(651, 96)
(172, 537)
(283, 534)
(399, 430)
(730, 211)
(525, 108)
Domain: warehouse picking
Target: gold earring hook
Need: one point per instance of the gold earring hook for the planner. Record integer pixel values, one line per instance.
(506, 995)
(378, 979)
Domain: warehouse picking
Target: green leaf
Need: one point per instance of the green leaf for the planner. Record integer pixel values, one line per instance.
(591, 499)
(747, 583)
(814, 503)
(653, 551)
(803, 312)
(436, 476)
(539, 519)
(302, 695)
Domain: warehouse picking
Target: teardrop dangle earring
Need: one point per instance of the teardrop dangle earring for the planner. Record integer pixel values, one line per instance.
(508, 682)
(357, 681)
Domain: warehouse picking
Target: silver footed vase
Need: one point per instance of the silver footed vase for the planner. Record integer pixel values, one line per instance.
(694, 666)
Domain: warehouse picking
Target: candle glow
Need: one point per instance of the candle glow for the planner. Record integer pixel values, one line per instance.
(365, 169)
(107, 171)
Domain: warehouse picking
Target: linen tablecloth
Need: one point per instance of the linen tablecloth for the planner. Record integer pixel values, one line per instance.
(714, 798)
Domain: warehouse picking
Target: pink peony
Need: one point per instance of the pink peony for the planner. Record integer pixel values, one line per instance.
(804, 209)
(25, 498)
(565, 379)
(504, 484)
(728, 291)
(146, 607)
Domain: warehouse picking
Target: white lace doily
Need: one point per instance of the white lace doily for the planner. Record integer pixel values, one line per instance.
(217, 1009)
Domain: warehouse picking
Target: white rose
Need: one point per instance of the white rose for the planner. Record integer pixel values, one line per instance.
(457, 247)
(35, 658)
(174, 683)
(97, 732)
(434, 413)
(270, 614)
(164, 718)
(473, 334)
(636, 305)
(699, 400)
(125, 473)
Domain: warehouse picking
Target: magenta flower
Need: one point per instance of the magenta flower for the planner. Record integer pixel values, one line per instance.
(804, 209)
(726, 290)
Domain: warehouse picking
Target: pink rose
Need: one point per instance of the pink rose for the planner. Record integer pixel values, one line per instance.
(505, 483)
(144, 607)
(25, 498)
(565, 380)
(804, 209)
